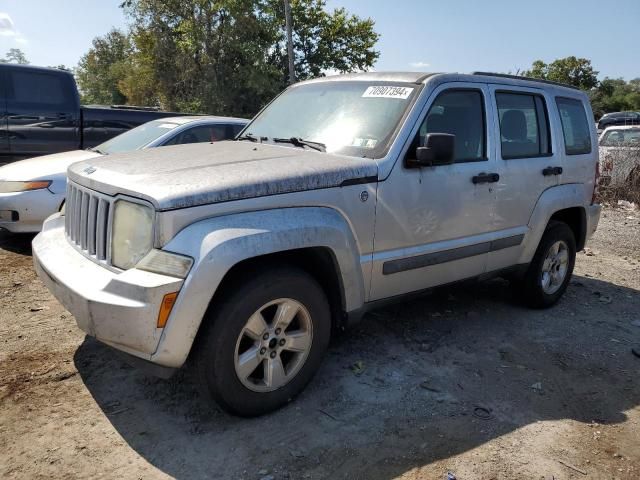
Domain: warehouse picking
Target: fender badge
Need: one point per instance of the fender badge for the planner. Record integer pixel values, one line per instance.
(89, 170)
(364, 196)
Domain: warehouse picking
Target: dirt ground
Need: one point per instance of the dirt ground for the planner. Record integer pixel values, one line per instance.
(465, 380)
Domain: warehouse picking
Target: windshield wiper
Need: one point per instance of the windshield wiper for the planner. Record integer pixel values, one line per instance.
(299, 142)
(251, 137)
(98, 151)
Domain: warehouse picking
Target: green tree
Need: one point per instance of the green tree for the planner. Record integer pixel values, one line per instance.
(101, 69)
(322, 40)
(15, 55)
(570, 70)
(615, 95)
(229, 56)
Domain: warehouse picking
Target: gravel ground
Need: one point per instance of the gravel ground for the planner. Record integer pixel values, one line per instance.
(464, 380)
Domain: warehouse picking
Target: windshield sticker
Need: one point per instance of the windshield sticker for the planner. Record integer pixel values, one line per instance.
(364, 142)
(387, 92)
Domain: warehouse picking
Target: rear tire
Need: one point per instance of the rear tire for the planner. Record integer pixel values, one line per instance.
(549, 273)
(263, 341)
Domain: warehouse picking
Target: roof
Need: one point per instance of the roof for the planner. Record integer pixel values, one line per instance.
(182, 120)
(409, 77)
(35, 68)
(424, 77)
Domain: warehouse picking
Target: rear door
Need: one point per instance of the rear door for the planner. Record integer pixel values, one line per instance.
(42, 111)
(528, 161)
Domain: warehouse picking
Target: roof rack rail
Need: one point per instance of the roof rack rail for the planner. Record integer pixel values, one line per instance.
(135, 107)
(530, 79)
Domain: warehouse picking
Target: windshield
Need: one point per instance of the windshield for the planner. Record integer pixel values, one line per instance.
(621, 138)
(136, 138)
(350, 118)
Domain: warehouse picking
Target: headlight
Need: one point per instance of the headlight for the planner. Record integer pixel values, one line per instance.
(11, 187)
(132, 233)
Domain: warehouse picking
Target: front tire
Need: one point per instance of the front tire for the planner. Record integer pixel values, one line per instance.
(263, 341)
(550, 270)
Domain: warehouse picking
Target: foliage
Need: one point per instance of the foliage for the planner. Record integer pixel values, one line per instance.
(609, 95)
(15, 55)
(570, 70)
(323, 40)
(225, 57)
(616, 95)
(103, 66)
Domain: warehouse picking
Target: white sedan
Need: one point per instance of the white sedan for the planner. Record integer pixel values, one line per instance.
(31, 190)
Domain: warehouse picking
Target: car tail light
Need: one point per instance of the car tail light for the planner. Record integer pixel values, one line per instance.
(596, 179)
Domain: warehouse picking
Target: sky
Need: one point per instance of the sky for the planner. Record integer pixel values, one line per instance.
(420, 35)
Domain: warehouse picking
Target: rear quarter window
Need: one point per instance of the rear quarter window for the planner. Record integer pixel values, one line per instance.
(575, 128)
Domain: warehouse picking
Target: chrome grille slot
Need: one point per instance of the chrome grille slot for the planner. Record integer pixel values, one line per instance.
(87, 221)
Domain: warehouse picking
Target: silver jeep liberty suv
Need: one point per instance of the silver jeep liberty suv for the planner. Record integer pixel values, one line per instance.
(344, 192)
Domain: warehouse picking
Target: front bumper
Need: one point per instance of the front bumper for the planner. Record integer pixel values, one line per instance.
(31, 208)
(118, 308)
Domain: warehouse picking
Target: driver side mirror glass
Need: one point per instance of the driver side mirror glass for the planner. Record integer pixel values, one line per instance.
(438, 149)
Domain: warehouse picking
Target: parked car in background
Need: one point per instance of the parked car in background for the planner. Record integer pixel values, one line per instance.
(40, 114)
(33, 189)
(618, 118)
(620, 156)
(244, 256)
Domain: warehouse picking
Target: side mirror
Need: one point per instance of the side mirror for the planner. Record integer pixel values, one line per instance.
(438, 149)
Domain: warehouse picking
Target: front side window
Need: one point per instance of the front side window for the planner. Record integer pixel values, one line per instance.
(621, 138)
(350, 118)
(459, 113)
(577, 137)
(524, 129)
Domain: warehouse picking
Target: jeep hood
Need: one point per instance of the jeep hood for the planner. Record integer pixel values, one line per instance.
(188, 175)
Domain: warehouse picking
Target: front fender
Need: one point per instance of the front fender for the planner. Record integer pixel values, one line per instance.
(217, 244)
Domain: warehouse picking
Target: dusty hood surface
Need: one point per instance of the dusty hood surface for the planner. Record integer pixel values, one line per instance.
(198, 174)
(45, 167)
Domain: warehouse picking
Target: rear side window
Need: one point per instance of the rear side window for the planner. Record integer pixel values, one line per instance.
(42, 88)
(460, 113)
(524, 126)
(201, 134)
(577, 137)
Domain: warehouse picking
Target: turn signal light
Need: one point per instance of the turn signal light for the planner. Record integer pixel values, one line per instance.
(168, 301)
(12, 187)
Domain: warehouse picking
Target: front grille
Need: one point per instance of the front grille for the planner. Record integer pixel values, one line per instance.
(87, 221)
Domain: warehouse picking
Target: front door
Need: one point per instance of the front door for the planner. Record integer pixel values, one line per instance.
(434, 224)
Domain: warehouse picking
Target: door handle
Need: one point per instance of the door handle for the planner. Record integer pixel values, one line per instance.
(485, 178)
(551, 171)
